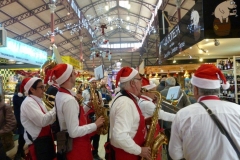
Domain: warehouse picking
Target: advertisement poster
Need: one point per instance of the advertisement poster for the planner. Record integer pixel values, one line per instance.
(189, 31)
(221, 18)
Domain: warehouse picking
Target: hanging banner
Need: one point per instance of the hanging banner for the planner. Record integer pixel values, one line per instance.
(21, 52)
(189, 31)
(72, 61)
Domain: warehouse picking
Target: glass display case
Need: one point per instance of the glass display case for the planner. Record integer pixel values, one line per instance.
(236, 65)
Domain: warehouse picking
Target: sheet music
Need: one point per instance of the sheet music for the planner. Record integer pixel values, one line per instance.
(173, 93)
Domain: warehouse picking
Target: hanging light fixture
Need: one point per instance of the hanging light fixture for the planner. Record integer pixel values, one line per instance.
(106, 8)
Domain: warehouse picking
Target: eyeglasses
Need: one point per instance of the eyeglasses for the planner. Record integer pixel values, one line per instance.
(42, 87)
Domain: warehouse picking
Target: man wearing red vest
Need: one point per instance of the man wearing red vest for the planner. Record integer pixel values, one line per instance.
(71, 114)
(127, 124)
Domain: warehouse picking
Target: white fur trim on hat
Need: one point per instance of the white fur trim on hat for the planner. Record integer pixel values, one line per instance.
(65, 75)
(20, 94)
(50, 82)
(205, 83)
(29, 84)
(128, 78)
(225, 86)
(92, 79)
(150, 86)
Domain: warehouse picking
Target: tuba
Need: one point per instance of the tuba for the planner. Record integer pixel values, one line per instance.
(99, 111)
(155, 142)
(49, 64)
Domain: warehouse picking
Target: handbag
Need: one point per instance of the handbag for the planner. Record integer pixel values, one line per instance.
(64, 142)
(7, 138)
(7, 141)
(221, 128)
(44, 147)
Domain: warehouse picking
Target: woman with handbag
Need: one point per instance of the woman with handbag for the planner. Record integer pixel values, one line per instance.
(36, 120)
(17, 101)
(7, 124)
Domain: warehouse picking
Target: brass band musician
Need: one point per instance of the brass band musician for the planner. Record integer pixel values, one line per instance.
(71, 114)
(127, 124)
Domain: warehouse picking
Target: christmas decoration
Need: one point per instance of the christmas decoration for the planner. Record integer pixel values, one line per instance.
(103, 26)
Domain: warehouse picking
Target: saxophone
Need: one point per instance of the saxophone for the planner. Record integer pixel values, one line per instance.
(155, 142)
(99, 111)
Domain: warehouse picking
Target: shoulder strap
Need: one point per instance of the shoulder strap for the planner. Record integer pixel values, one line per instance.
(29, 136)
(221, 128)
(109, 123)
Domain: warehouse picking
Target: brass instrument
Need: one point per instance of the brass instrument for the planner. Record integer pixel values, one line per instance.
(99, 111)
(155, 142)
(172, 102)
(49, 104)
(49, 64)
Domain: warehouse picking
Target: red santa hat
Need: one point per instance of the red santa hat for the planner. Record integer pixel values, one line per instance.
(26, 85)
(91, 79)
(125, 74)
(208, 76)
(47, 77)
(147, 84)
(61, 73)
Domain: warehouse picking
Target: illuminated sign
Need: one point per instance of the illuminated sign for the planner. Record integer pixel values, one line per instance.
(189, 31)
(221, 19)
(74, 62)
(22, 52)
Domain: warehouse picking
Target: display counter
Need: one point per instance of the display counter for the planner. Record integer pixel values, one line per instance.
(8, 99)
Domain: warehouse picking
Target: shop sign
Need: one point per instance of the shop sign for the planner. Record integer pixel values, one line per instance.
(189, 31)
(19, 51)
(221, 19)
(72, 61)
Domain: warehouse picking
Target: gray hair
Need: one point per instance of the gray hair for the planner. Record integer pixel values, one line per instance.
(204, 92)
(170, 81)
(123, 85)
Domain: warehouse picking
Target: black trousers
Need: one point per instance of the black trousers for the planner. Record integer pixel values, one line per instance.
(168, 134)
(95, 141)
(21, 143)
(3, 155)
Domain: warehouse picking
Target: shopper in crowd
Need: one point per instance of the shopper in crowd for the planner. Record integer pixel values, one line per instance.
(71, 115)
(161, 84)
(148, 107)
(127, 124)
(36, 120)
(17, 101)
(182, 99)
(90, 113)
(106, 94)
(195, 135)
(7, 124)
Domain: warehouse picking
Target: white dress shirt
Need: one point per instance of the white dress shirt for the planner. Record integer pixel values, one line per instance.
(86, 97)
(32, 117)
(124, 122)
(195, 136)
(69, 114)
(148, 107)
